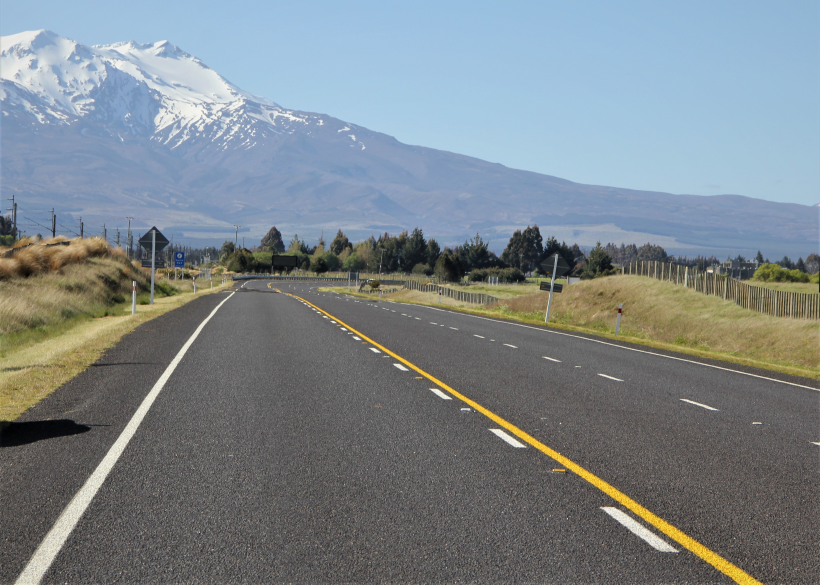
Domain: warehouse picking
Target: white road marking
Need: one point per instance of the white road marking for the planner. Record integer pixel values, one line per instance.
(552, 359)
(698, 404)
(813, 443)
(670, 357)
(443, 396)
(431, 323)
(357, 338)
(605, 376)
(343, 329)
(332, 321)
(505, 437)
(374, 350)
(479, 336)
(52, 543)
(325, 317)
(416, 318)
(401, 367)
(512, 346)
(639, 530)
(404, 314)
(453, 328)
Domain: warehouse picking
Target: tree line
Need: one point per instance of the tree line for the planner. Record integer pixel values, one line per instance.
(411, 252)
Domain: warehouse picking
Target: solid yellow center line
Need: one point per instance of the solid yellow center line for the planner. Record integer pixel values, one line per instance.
(714, 559)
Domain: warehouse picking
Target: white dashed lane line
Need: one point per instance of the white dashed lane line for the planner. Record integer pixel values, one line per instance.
(440, 394)
(453, 328)
(605, 376)
(639, 530)
(552, 359)
(479, 336)
(698, 404)
(508, 439)
(374, 350)
(512, 346)
(357, 338)
(431, 323)
(401, 367)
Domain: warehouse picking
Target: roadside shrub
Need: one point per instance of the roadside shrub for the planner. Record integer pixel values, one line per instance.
(421, 268)
(374, 284)
(353, 263)
(318, 265)
(503, 274)
(32, 257)
(776, 273)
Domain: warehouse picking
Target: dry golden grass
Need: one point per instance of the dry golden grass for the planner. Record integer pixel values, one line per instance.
(52, 297)
(39, 256)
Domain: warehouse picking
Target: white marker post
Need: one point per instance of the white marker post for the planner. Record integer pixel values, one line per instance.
(133, 297)
(618, 322)
(552, 285)
(194, 279)
(153, 260)
(439, 296)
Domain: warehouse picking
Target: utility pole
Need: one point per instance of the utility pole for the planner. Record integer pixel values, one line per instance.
(243, 242)
(128, 237)
(118, 237)
(13, 218)
(105, 233)
(81, 228)
(236, 236)
(53, 224)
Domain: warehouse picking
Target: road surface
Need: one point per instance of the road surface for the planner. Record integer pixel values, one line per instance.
(258, 436)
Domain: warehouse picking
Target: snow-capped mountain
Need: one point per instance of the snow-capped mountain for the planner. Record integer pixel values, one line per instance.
(155, 90)
(150, 131)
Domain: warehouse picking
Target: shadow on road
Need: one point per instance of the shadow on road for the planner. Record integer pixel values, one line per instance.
(14, 434)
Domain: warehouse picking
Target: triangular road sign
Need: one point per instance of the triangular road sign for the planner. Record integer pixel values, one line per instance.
(161, 242)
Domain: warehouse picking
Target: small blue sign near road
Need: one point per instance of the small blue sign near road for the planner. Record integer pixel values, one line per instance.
(179, 259)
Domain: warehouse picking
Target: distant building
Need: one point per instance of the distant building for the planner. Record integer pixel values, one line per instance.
(734, 269)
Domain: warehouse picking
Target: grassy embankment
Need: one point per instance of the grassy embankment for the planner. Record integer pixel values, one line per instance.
(662, 315)
(60, 308)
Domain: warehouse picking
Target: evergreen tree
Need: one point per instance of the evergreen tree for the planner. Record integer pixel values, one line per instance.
(433, 252)
(759, 258)
(272, 241)
(800, 265)
(415, 251)
(598, 263)
(524, 249)
(339, 243)
(474, 254)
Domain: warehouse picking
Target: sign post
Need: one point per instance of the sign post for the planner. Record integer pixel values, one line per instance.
(158, 243)
(179, 262)
(559, 267)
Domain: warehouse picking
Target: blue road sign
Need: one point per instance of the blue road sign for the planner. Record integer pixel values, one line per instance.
(179, 259)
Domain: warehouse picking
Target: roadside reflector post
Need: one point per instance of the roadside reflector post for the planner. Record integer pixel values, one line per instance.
(153, 261)
(552, 286)
(618, 322)
(439, 296)
(133, 297)
(194, 279)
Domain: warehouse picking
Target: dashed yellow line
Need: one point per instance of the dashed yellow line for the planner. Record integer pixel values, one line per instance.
(714, 559)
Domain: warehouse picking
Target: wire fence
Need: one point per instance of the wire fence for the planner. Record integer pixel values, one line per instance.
(777, 303)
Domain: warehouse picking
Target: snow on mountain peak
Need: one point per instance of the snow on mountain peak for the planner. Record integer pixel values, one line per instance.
(155, 90)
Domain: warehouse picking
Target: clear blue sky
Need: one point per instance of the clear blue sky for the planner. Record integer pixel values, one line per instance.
(685, 97)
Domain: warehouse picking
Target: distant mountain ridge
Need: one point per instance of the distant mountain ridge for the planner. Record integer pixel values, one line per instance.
(152, 132)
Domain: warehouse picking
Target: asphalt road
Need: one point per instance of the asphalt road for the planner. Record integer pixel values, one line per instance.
(311, 438)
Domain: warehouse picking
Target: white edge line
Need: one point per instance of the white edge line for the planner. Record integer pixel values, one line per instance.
(443, 396)
(639, 530)
(401, 367)
(512, 346)
(610, 377)
(479, 336)
(52, 543)
(552, 359)
(698, 404)
(508, 439)
(669, 357)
